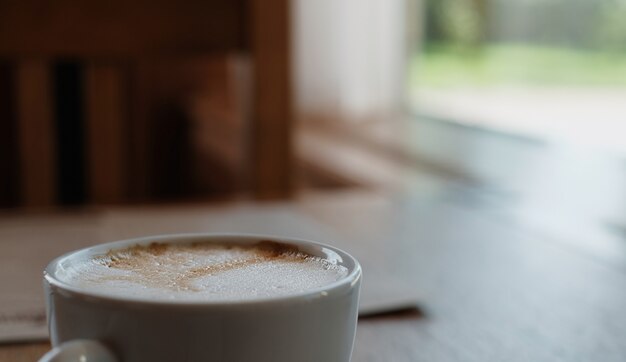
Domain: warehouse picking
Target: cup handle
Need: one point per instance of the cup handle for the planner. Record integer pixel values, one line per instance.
(83, 350)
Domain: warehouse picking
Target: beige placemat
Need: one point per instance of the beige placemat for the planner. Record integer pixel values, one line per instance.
(29, 243)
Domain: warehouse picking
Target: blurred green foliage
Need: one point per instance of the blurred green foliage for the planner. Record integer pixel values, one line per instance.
(590, 24)
(461, 22)
(444, 65)
(565, 42)
(610, 33)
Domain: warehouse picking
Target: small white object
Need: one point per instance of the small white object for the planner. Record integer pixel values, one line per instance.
(81, 350)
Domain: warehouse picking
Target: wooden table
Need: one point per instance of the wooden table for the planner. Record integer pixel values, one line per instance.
(491, 289)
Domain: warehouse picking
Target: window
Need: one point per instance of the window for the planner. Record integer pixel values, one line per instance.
(544, 68)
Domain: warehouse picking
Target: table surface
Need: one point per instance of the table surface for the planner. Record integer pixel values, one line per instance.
(491, 289)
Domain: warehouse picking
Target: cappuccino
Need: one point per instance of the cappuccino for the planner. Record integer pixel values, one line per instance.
(203, 271)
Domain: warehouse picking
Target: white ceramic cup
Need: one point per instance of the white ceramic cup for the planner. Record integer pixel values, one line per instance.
(315, 326)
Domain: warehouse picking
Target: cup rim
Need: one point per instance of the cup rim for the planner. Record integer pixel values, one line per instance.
(325, 291)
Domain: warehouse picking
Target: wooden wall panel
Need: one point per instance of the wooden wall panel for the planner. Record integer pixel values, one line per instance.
(36, 134)
(107, 116)
(272, 114)
(107, 28)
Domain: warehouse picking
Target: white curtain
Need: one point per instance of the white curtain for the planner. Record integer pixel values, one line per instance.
(350, 58)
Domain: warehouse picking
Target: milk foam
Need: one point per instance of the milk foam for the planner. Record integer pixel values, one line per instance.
(203, 271)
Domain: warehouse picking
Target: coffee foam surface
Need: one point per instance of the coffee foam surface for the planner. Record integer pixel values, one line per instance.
(203, 271)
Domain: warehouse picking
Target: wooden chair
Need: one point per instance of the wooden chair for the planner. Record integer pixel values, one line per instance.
(116, 42)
